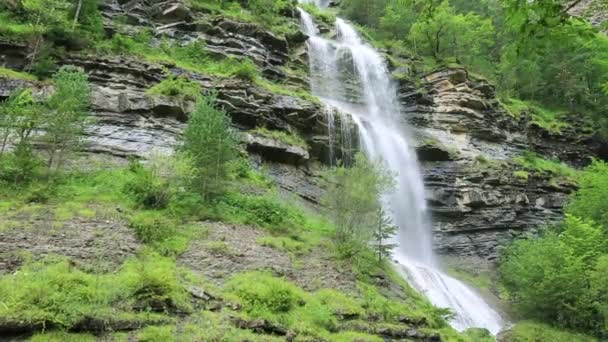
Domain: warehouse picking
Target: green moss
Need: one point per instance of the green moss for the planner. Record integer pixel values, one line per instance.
(541, 116)
(180, 87)
(523, 175)
(282, 136)
(62, 336)
(16, 75)
(529, 331)
(531, 162)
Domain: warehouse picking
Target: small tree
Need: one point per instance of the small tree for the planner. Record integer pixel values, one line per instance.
(211, 144)
(383, 232)
(353, 197)
(67, 117)
(20, 117)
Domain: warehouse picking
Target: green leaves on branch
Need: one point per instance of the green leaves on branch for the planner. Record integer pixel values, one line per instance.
(211, 144)
(353, 197)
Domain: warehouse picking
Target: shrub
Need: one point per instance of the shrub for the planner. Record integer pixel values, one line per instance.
(153, 283)
(263, 211)
(156, 334)
(153, 227)
(529, 331)
(262, 294)
(591, 200)
(353, 197)
(180, 87)
(548, 278)
(157, 182)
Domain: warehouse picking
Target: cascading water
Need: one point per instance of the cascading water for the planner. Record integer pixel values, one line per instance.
(350, 76)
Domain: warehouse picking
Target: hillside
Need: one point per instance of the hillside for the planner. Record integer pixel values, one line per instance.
(170, 171)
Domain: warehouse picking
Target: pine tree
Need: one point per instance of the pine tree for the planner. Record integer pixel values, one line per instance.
(383, 232)
(211, 144)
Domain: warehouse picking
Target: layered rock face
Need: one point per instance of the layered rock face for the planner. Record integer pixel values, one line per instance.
(466, 142)
(465, 139)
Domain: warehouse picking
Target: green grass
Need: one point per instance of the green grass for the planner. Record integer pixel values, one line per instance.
(16, 75)
(531, 162)
(14, 30)
(194, 58)
(529, 331)
(323, 15)
(179, 87)
(285, 244)
(54, 292)
(62, 336)
(282, 136)
(541, 116)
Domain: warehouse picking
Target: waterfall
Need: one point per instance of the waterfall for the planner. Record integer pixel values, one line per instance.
(351, 76)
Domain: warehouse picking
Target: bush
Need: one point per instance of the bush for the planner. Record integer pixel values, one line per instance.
(153, 227)
(529, 331)
(154, 283)
(53, 292)
(156, 183)
(180, 87)
(262, 294)
(353, 197)
(156, 334)
(591, 200)
(263, 211)
(548, 278)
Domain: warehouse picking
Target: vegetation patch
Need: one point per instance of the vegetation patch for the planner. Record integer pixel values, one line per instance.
(282, 136)
(538, 115)
(16, 75)
(179, 87)
(55, 293)
(531, 162)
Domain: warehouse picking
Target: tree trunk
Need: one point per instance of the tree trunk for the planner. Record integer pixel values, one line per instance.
(77, 15)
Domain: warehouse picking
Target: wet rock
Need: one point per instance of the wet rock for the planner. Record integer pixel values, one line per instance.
(274, 150)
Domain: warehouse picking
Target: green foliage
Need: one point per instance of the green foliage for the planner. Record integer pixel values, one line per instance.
(65, 124)
(210, 143)
(529, 331)
(591, 201)
(56, 336)
(157, 182)
(384, 230)
(448, 34)
(264, 211)
(548, 278)
(353, 197)
(20, 117)
(530, 161)
(156, 334)
(55, 292)
(282, 136)
(540, 116)
(153, 226)
(262, 294)
(180, 87)
(16, 75)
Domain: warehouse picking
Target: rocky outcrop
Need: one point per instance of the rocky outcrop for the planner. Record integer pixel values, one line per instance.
(466, 144)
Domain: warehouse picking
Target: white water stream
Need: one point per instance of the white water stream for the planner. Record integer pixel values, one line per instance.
(351, 77)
